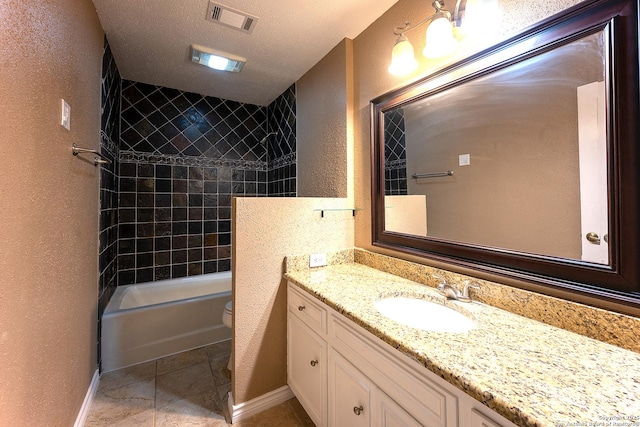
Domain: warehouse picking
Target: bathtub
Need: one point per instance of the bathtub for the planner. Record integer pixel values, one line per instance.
(146, 321)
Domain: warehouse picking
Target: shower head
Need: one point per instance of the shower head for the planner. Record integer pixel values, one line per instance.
(267, 136)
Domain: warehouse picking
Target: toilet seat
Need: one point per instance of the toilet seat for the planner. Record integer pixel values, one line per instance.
(227, 315)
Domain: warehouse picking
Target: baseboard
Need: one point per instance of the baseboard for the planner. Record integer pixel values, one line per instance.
(88, 398)
(244, 410)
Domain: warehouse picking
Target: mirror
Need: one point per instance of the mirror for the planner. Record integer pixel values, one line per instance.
(516, 160)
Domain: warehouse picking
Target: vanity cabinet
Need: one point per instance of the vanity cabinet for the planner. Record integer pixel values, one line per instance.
(307, 355)
(345, 376)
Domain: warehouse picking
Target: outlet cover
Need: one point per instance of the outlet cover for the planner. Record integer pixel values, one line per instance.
(464, 160)
(318, 260)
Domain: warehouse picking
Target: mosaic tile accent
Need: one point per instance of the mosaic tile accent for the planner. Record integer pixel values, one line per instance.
(134, 157)
(167, 121)
(109, 136)
(282, 146)
(395, 167)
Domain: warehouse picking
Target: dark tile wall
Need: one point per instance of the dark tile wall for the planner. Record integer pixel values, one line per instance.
(395, 163)
(183, 157)
(109, 136)
(282, 145)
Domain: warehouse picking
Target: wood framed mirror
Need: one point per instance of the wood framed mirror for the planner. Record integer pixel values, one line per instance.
(522, 160)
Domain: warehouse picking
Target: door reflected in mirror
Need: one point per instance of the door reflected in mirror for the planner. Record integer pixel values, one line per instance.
(514, 160)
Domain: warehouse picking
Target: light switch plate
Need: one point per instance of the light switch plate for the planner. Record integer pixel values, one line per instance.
(318, 260)
(65, 119)
(464, 160)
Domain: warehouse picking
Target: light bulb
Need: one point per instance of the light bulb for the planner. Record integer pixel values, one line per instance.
(403, 60)
(439, 38)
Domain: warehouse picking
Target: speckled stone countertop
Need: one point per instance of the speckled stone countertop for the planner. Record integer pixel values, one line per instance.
(531, 373)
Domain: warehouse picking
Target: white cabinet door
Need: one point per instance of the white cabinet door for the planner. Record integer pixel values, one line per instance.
(478, 419)
(350, 394)
(392, 415)
(307, 369)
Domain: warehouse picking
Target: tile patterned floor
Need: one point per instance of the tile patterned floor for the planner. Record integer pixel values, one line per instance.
(184, 390)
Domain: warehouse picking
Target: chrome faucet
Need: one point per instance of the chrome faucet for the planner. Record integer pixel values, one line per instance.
(452, 293)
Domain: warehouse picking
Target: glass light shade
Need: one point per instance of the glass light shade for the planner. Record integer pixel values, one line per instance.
(481, 18)
(440, 41)
(403, 60)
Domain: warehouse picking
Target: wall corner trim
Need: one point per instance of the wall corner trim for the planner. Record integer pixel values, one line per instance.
(244, 410)
(88, 399)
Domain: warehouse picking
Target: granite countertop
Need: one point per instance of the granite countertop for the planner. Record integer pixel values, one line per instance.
(531, 373)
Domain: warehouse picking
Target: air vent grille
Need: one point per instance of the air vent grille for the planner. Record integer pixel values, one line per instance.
(231, 18)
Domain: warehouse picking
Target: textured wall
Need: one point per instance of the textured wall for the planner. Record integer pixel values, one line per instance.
(322, 124)
(372, 55)
(295, 228)
(49, 223)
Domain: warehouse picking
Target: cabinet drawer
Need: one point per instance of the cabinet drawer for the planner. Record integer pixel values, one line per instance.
(420, 396)
(305, 309)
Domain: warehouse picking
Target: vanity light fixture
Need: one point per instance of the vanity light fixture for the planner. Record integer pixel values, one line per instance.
(440, 40)
(216, 60)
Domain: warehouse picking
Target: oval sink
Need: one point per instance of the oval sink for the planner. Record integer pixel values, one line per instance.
(422, 314)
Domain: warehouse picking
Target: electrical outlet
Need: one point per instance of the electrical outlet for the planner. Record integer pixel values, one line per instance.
(318, 260)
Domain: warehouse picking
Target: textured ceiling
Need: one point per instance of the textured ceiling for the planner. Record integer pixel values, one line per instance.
(150, 41)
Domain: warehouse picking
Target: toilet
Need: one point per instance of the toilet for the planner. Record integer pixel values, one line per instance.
(226, 320)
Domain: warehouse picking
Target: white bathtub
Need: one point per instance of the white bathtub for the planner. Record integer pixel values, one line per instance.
(146, 321)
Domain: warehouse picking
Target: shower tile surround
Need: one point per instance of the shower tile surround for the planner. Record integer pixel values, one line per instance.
(395, 156)
(183, 157)
(109, 136)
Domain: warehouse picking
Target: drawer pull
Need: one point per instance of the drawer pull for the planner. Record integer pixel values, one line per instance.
(301, 307)
(314, 362)
(358, 409)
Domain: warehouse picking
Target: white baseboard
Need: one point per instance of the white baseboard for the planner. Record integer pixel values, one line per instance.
(88, 398)
(244, 410)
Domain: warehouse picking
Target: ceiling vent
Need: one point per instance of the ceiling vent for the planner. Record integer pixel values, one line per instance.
(233, 18)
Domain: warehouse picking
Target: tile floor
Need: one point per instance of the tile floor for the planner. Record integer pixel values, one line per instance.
(184, 390)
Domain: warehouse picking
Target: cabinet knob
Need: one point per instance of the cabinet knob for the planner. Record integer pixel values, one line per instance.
(358, 409)
(301, 307)
(314, 362)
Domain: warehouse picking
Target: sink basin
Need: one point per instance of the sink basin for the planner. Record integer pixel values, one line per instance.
(422, 314)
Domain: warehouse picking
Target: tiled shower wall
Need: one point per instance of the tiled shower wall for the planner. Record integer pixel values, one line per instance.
(183, 157)
(395, 156)
(282, 145)
(109, 137)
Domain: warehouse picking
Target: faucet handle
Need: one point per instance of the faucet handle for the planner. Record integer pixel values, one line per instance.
(468, 285)
(443, 280)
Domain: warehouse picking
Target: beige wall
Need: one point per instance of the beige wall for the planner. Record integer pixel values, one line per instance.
(324, 97)
(372, 55)
(49, 209)
(265, 231)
